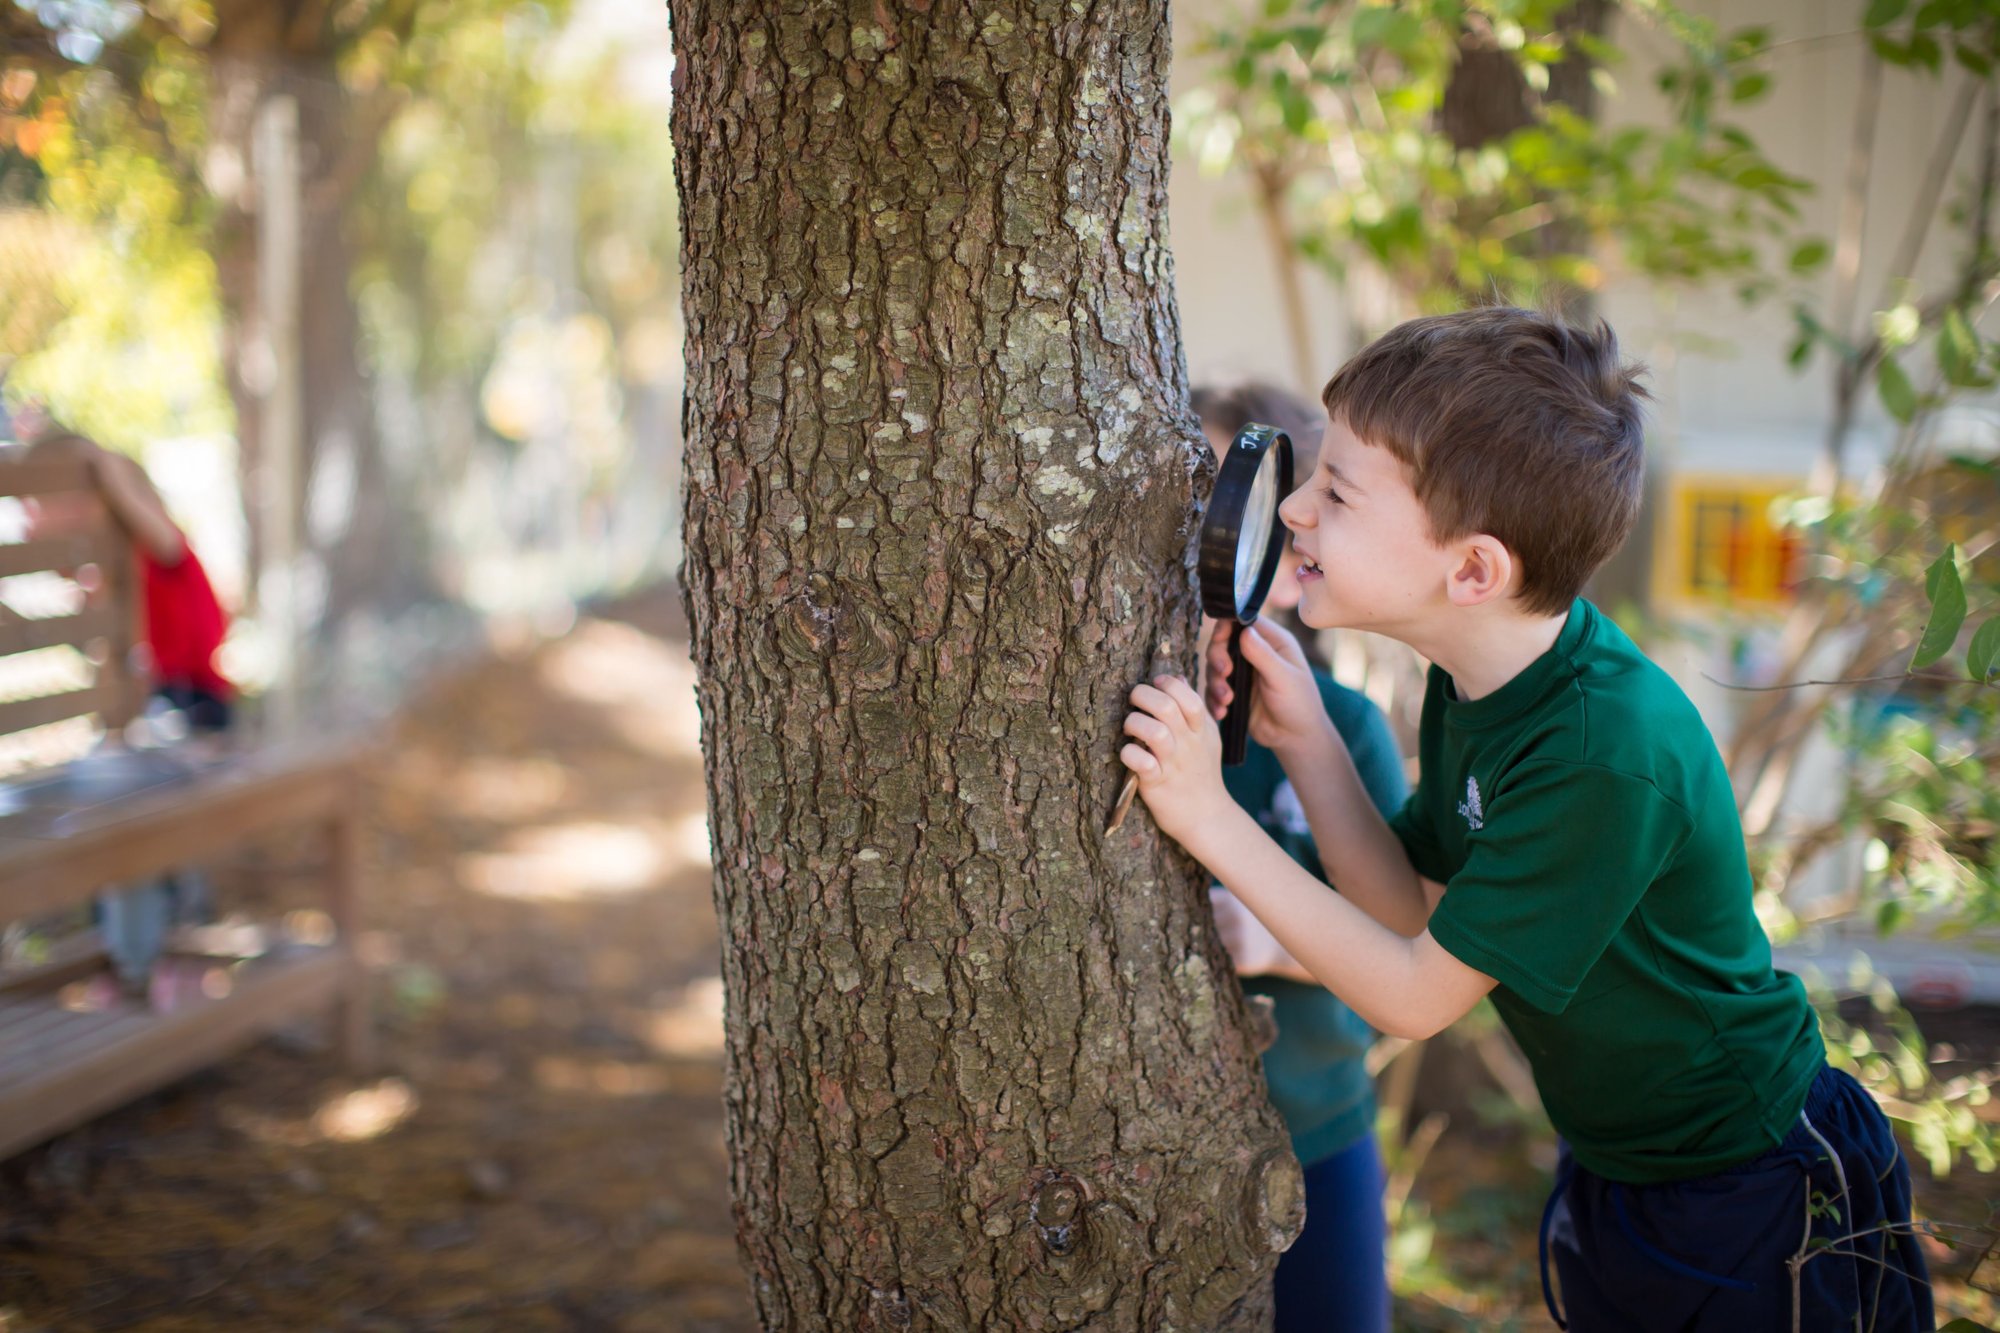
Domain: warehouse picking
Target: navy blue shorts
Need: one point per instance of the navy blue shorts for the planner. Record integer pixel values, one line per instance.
(1333, 1280)
(1711, 1255)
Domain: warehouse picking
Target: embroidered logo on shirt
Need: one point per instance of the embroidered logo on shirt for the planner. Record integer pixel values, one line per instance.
(1469, 807)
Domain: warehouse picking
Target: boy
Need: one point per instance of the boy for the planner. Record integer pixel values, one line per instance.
(1572, 847)
(184, 626)
(1333, 1279)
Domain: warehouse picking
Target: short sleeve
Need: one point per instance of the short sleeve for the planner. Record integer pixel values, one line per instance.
(1413, 828)
(1561, 857)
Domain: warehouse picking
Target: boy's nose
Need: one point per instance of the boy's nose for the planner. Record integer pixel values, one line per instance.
(1296, 511)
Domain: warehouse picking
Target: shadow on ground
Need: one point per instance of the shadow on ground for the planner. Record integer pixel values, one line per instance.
(542, 1146)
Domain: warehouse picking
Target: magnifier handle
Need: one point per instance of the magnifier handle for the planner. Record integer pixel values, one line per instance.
(1236, 721)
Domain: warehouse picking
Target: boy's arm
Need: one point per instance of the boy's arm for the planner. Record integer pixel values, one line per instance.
(131, 496)
(1407, 987)
(1361, 854)
(1402, 986)
(1362, 857)
(1255, 950)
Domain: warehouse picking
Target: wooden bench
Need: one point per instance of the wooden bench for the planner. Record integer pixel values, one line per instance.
(120, 815)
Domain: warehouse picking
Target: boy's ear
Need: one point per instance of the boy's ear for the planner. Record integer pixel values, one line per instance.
(1485, 571)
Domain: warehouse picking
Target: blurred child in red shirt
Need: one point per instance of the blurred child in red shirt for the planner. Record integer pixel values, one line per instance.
(182, 629)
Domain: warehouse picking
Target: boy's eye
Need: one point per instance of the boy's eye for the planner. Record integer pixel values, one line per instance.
(1332, 495)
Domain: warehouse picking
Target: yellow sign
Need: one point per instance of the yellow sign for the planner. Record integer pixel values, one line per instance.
(1721, 545)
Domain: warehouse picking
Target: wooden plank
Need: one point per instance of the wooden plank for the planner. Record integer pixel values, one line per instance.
(170, 826)
(123, 684)
(30, 1048)
(69, 958)
(51, 553)
(343, 875)
(25, 636)
(21, 714)
(45, 476)
(107, 1065)
(28, 1018)
(18, 1009)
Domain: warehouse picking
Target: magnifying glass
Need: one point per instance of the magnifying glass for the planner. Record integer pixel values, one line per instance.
(1242, 544)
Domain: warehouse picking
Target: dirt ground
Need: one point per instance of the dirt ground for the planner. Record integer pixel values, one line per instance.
(541, 1148)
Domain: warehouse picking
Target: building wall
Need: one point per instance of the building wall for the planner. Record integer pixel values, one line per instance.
(1727, 400)
(1731, 419)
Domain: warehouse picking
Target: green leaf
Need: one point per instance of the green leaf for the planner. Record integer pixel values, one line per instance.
(1388, 26)
(1945, 566)
(1982, 656)
(1958, 351)
(1750, 87)
(1893, 52)
(1881, 12)
(1898, 394)
(1924, 50)
(1973, 60)
(1964, 1326)
(1947, 593)
(1809, 256)
(1298, 108)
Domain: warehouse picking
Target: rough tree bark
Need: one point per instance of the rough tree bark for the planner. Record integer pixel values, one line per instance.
(986, 1068)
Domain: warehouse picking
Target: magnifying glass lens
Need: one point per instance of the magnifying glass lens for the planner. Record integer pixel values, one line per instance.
(1241, 548)
(1252, 539)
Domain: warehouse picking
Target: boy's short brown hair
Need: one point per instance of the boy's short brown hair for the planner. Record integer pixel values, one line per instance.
(1514, 424)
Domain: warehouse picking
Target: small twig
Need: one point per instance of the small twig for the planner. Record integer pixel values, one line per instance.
(1803, 684)
(1124, 806)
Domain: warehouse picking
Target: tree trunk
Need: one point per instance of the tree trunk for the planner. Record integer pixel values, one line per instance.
(987, 1069)
(372, 553)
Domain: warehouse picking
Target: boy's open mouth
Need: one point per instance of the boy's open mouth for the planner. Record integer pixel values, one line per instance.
(1309, 568)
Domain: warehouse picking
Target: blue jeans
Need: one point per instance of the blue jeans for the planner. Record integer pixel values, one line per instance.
(134, 922)
(1332, 1280)
(1709, 1255)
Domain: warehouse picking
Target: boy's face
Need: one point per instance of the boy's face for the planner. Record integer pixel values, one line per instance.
(1357, 519)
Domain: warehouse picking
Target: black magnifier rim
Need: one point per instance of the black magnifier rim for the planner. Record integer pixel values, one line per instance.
(1235, 475)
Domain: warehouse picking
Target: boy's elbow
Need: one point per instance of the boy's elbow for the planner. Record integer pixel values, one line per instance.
(1414, 1026)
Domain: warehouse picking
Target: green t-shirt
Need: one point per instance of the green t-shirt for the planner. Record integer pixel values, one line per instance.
(1587, 837)
(1315, 1070)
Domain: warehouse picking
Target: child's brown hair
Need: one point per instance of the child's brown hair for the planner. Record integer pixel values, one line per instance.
(1231, 409)
(1514, 424)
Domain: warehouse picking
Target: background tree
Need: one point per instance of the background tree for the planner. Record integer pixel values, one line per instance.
(1445, 151)
(987, 1067)
(482, 217)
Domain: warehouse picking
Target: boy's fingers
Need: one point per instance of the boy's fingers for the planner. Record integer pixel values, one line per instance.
(1139, 759)
(1264, 650)
(1157, 735)
(1218, 651)
(1157, 703)
(1280, 642)
(1183, 694)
